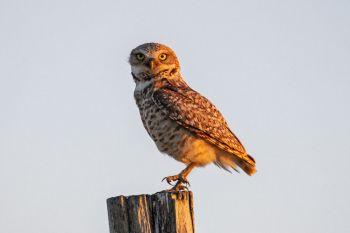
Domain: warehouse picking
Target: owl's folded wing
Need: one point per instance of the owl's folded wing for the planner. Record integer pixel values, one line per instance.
(199, 115)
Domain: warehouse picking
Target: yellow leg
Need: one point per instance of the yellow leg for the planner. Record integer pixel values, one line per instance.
(181, 178)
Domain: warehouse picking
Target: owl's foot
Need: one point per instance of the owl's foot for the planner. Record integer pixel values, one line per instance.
(177, 187)
(181, 180)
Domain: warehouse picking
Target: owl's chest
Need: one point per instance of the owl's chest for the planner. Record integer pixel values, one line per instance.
(166, 133)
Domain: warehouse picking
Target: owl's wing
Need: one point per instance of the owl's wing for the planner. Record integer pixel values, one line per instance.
(199, 115)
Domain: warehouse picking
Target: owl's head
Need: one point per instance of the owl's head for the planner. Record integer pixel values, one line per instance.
(152, 59)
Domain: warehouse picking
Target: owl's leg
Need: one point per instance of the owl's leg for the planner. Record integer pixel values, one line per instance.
(181, 178)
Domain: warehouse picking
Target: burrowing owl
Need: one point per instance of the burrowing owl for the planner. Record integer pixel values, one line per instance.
(181, 122)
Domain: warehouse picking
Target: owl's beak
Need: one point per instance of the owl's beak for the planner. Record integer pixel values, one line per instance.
(150, 63)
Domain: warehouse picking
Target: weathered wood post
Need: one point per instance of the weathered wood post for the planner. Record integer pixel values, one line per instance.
(163, 212)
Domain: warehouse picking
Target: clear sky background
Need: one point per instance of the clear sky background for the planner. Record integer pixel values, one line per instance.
(71, 136)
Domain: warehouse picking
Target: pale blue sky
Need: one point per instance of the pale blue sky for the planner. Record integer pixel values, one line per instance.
(71, 136)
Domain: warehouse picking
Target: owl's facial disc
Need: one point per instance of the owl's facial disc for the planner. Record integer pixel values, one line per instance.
(149, 60)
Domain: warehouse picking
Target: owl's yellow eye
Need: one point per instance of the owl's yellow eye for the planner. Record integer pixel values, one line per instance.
(162, 56)
(140, 56)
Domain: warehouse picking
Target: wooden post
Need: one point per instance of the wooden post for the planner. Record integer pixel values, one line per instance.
(163, 212)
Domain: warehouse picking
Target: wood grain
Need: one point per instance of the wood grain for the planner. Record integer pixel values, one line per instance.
(163, 212)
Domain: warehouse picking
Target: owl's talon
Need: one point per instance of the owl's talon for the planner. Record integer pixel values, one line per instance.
(180, 180)
(184, 181)
(180, 187)
(168, 180)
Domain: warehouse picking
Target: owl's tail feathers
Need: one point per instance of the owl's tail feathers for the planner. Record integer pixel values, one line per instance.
(227, 160)
(247, 163)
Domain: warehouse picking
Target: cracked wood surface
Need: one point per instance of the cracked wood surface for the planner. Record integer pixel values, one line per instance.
(163, 212)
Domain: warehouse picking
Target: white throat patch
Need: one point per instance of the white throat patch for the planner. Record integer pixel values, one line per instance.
(143, 84)
(137, 70)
